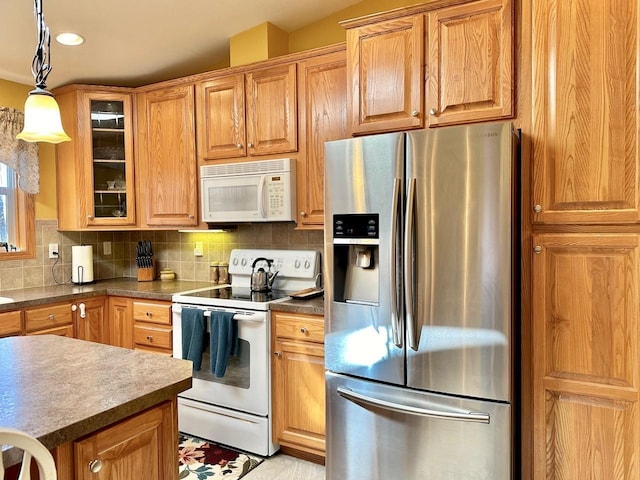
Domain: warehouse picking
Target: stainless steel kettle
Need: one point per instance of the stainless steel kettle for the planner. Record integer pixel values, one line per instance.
(261, 279)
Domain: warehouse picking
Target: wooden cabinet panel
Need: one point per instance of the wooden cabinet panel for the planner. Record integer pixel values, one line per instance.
(298, 382)
(120, 322)
(221, 124)
(152, 327)
(322, 87)
(585, 111)
(10, 323)
(143, 446)
(470, 62)
(585, 347)
(95, 170)
(385, 71)
(167, 180)
(153, 312)
(93, 326)
(63, 331)
(271, 110)
(49, 316)
(152, 336)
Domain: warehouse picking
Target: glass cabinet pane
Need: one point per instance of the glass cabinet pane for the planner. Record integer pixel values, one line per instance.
(109, 159)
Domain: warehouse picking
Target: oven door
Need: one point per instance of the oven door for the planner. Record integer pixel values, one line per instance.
(245, 385)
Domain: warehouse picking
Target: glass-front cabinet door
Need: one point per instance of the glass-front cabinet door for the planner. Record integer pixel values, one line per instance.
(110, 182)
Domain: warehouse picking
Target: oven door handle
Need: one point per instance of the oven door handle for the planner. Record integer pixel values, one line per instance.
(251, 317)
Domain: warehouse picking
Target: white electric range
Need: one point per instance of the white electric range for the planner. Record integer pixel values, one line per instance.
(235, 409)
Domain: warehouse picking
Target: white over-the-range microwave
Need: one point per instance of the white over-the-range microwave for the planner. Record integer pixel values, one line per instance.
(262, 191)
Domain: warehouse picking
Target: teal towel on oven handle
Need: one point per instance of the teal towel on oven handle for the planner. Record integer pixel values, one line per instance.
(193, 335)
(223, 340)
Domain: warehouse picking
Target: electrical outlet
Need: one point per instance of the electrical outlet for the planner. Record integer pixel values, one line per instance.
(106, 248)
(198, 250)
(53, 250)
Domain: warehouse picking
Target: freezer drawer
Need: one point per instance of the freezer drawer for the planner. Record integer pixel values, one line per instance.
(378, 432)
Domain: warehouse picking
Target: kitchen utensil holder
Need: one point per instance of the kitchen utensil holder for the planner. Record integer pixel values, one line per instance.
(147, 274)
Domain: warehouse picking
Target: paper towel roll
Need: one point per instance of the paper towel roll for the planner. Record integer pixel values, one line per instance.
(82, 264)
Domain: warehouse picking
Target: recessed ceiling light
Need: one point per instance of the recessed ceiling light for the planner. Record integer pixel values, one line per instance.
(69, 38)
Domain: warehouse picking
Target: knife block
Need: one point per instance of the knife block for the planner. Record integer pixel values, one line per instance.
(147, 274)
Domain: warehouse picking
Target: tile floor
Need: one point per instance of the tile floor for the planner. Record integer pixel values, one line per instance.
(284, 467)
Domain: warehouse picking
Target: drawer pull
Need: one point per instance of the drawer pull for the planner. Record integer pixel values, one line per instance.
(52, 316)
(304, 330)
(150, 338)
(277, 354)
(148, 314)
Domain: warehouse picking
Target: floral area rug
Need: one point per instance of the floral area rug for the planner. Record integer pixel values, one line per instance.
(202, 460)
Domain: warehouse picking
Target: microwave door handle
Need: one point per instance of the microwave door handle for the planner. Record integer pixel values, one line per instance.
(261, 196)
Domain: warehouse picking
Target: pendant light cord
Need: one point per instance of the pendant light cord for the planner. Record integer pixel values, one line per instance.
(41, 65)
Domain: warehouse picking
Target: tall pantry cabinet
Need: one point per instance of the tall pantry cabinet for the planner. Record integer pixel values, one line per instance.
(582, 212)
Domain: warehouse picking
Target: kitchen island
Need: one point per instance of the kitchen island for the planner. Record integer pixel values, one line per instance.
(95, 406)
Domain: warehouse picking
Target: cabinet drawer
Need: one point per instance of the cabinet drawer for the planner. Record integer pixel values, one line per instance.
(64, 331)
(299, 327)
(47, 317)
(152, 336)
(154, 312)
(10, 323)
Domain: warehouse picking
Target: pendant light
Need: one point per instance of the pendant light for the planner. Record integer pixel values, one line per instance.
(41, 112)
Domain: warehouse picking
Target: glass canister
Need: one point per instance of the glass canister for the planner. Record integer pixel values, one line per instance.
(214, 272)
(223, 273)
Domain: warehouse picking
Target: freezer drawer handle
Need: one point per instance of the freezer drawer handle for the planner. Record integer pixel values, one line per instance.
(477, 417)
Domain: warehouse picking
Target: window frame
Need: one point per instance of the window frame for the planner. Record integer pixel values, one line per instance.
(24, 227)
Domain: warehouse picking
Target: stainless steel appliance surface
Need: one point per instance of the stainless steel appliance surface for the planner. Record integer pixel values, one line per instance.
(235, 409)
(420, 305)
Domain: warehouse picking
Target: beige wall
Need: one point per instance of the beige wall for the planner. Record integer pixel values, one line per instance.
(13, 95)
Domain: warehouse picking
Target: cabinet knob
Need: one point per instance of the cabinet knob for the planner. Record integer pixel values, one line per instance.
(90, 217)
(537, 208)
(150, 338)
(148, 314)
(303, 214)
(239, 145)
(52, 316)
(433, 111)
(537, 249)
(304, 330)
(74, 307)
(250, 145)
(277, 354)
(415, 113)
(95, 465)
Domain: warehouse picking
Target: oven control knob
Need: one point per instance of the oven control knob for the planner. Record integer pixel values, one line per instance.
(297, 263)
(235, 261)
(243, 262)
(307, 264)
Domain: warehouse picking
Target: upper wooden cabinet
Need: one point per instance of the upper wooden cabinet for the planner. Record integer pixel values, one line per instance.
(322, 88)
(585, 111)
(385, 73)
(95, 171)
(248, 114)
(167, 167)
(470, 62)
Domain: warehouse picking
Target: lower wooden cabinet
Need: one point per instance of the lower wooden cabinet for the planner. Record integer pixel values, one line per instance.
(50, 319)
(10, 323)
(143, 446)
(152, 329)
(298, 382)
(586, 381)
(91, 319)
(120, 322)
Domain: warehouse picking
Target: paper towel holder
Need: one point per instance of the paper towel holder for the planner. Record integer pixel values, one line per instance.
(82, 264)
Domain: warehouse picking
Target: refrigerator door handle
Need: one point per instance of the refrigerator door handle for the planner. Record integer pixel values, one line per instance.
(412, 330)
(359, 398)
(396, 320)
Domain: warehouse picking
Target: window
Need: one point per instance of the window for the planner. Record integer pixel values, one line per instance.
(17, 222)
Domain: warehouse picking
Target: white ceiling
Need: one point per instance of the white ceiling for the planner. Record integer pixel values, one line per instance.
(137, 42)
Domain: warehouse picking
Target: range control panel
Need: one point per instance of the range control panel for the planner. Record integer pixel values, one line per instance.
(289, 263)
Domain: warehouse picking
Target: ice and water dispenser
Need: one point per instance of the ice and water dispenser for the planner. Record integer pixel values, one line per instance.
(356, 273)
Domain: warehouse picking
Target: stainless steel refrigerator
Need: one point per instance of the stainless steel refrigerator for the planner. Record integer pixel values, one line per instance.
(420, 306)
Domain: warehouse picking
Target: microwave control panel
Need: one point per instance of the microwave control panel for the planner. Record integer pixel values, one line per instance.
(275, 195)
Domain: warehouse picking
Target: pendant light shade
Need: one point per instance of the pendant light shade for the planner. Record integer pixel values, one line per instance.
(41, 112)
(42, 119)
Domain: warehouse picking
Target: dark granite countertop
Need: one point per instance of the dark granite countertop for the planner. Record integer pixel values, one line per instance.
(313, 306)
(126, 287)
(59, 389)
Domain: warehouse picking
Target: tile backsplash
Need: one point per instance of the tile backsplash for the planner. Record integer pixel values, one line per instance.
(171, 249)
